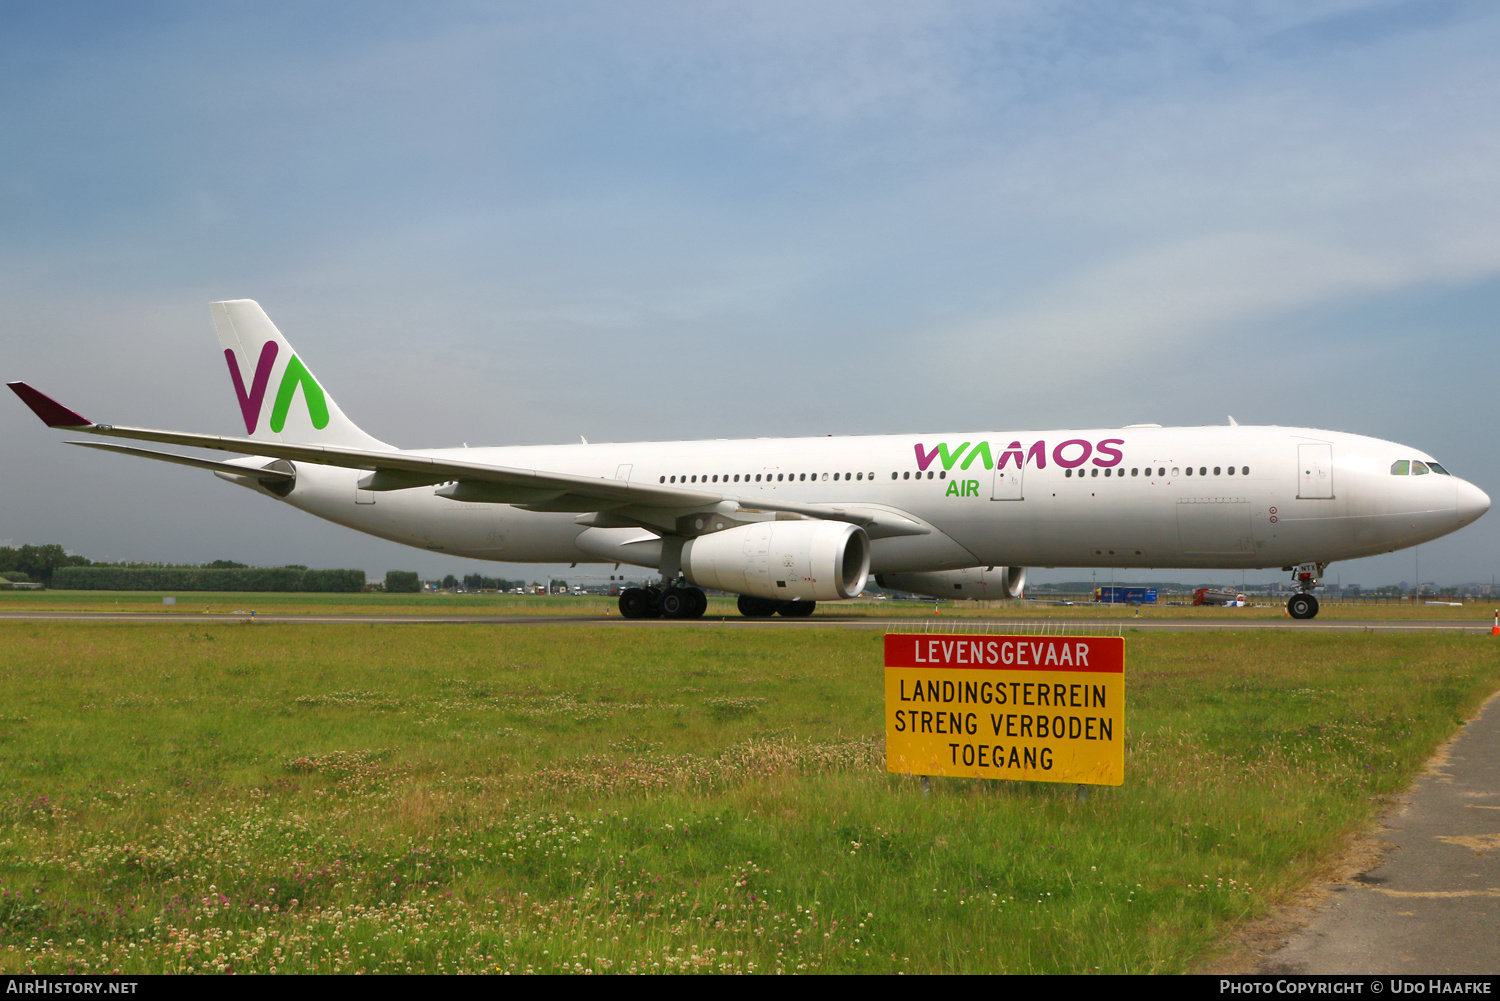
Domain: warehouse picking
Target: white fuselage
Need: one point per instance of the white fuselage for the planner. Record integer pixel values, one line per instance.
(1132, 497)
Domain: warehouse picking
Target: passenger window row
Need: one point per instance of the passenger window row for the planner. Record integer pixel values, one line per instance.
(1399, 469)
(779, 477)
(1203, 470)
(1416, 467)
(1161, 471)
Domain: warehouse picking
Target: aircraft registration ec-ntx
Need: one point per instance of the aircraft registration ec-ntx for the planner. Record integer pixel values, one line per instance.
(788, 522)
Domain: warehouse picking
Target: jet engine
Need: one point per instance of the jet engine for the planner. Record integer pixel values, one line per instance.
(973, 582)
(782, 560)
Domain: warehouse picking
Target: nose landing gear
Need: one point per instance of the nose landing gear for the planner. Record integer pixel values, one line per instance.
(1302, 606)
(1306, 577)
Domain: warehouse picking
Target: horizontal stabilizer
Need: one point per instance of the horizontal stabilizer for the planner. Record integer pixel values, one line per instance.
(52, 413)
(266, 475)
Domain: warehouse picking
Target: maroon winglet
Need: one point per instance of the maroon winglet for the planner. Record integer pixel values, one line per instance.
(52, 413)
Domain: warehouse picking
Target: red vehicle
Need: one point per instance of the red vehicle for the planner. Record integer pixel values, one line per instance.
(1217, 596)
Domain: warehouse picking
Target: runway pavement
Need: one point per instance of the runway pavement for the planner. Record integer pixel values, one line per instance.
(910, 623)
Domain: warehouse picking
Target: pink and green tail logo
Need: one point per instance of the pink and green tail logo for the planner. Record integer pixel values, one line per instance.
(296, 374)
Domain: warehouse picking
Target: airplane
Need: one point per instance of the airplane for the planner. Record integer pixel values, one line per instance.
(785, 523)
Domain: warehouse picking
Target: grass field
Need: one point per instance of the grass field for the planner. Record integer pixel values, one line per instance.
(392, 798)
(442, 603)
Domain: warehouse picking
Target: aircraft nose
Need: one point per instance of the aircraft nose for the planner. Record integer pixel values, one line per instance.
(1470, 502)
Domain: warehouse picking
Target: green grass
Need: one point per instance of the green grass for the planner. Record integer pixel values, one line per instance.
(181, 797)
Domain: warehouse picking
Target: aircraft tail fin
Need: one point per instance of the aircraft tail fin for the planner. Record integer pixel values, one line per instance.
(279, 398)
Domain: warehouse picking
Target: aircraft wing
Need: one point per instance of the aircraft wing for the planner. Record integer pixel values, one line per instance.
(650, 505)
(878, 521)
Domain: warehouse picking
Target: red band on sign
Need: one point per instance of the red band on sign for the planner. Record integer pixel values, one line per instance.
(1097, 654)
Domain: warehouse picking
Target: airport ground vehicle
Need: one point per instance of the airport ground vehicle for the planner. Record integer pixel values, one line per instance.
(1217, 596)
(788, 522)
(1119, 594)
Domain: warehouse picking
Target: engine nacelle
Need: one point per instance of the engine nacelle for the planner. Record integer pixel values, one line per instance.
(782, 560)
(973, 582)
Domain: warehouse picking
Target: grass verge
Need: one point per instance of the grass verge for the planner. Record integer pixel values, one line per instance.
(391, 798)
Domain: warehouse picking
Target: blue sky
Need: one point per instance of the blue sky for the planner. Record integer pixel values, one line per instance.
(514, 223)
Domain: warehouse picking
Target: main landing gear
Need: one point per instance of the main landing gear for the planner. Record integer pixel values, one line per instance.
(1306, 577)
(763, 608)
(683, 602)
(663, 603)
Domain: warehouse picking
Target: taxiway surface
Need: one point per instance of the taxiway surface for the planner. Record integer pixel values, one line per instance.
(911, 624)
(1432, 903)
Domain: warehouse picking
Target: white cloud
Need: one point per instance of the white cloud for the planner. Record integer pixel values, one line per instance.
(1154, 300)
(657, 221)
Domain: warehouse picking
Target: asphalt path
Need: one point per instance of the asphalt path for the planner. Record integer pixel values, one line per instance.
(1432, 903)
(911, 623)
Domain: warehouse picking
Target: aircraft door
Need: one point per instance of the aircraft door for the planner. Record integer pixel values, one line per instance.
(1008, 483)
(622, 473)
(1314, 471)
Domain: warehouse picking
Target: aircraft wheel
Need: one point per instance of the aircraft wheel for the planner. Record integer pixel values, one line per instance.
(757, 608)
(635, 603)
(638, 602)
(797, 609)
(678, 603)
(1302, 606)
(700, 602)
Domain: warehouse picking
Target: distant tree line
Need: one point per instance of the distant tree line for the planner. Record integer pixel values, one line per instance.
(53, 566)
(36, 563)
(115, 578)
(402, 582)
(479, 582)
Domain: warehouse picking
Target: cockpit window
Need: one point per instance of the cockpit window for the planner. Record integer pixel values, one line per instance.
(1418, 468)
(1400, 467)
(1438, 469)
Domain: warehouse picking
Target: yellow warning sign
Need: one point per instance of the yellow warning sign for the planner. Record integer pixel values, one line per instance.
(1034, 708)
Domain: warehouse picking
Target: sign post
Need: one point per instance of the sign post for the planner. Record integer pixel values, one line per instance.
(1033, 708)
